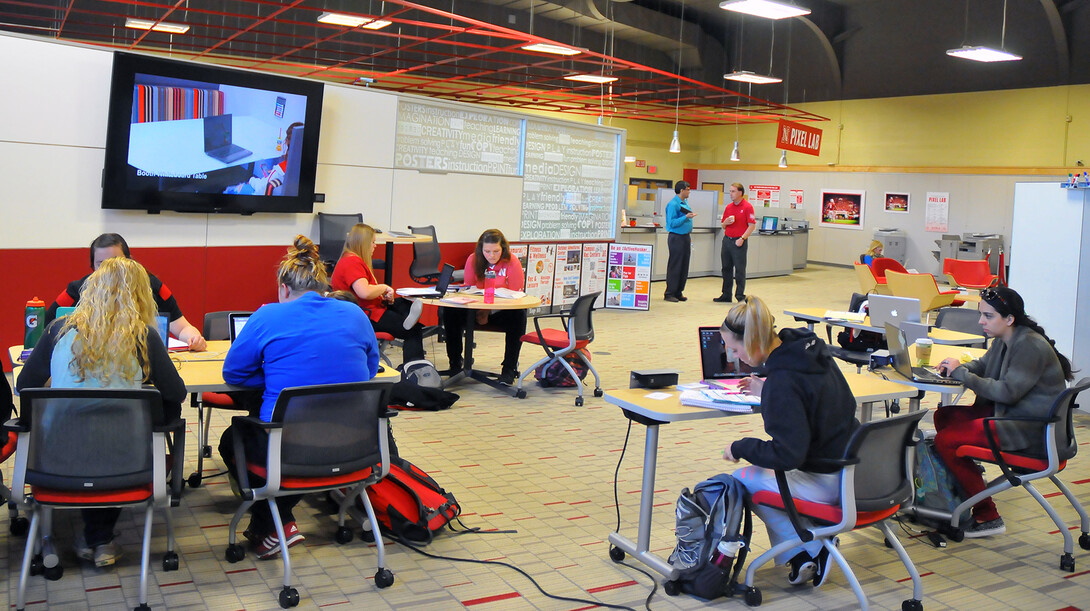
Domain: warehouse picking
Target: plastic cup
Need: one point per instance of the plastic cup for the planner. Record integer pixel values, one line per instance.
(923, 352)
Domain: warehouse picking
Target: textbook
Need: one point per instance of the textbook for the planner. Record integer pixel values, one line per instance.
(845, 316)
(719, 399)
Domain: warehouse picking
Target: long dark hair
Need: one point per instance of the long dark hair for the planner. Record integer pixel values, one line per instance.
(1007, 302)
(490, 236)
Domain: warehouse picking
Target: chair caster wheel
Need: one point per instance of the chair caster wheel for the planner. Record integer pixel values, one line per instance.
(598, 392)
(753, 596)
(367, 536)
(206, 451)
(616, 554)
(895, 408)
(912, 605)
(289, 597)
(1067, 563)
(234, 553)
(384, 578)
(579, 401)
(37, 567)
(671, 588)
(194, 480)
(170, 561)
(521, 394)
(344, 535)
(54, 573)
(1084, 541)
(19, 527)
(142, 607)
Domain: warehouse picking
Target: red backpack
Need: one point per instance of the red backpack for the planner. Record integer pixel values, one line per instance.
(554, 373)
(409, 504)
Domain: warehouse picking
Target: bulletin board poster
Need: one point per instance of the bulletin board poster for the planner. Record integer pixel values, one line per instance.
(764, 195)
(594, 271)
(540, 259)
(520, 252)
(937, 212)
(796, 198)
(569, 263)
(628, 283)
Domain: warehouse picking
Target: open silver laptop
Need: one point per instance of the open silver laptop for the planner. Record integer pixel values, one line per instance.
(902, 361)
(886, 309)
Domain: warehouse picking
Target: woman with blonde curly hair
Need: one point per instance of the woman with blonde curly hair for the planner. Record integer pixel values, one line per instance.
(109, 341)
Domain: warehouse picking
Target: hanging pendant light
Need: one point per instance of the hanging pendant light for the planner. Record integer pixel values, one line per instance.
(783, 160)
(675, 144)
(735, 155)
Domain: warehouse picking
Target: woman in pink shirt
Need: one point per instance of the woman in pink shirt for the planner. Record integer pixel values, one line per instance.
(490, 262)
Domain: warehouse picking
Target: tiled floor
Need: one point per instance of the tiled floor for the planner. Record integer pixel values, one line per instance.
(543, 468)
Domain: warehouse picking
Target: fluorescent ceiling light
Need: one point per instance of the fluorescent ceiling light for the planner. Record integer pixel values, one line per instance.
(544, 47)
(630, 159)
(983, 54)
(764, 8)
(377, 24)
(590, 78)
(745, 76)
(162, 26)
(351, 21)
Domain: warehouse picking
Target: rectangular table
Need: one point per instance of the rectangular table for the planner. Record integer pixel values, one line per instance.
(655, 412)
(940, 336)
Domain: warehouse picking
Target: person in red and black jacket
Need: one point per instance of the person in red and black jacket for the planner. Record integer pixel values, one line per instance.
(110, 245)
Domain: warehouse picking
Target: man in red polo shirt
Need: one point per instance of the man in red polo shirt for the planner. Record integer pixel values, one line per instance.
(738, 223)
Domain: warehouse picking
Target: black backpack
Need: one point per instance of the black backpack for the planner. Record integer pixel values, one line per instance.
(713, 529)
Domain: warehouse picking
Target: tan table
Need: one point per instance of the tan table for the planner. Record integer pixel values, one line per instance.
(390, 240)
(652, 413)
(477, 303)
(940, 336)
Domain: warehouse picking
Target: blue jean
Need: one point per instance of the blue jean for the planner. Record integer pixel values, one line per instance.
(816, 487)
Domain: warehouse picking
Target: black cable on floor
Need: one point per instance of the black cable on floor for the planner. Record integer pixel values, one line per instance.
(617, 506)
(510, 566)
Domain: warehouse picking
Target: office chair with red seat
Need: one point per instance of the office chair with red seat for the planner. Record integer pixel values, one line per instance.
(577, 333)
(322, 437)
(85, 448)
(1022, 468)
(969, 274)
(874, 485)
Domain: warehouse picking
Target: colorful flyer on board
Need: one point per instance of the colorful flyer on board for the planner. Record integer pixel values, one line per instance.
(569, 258)
(594, 271)
(539, 274)
(628, 282)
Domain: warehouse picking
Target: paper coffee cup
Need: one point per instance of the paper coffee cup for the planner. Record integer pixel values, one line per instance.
(923, 352)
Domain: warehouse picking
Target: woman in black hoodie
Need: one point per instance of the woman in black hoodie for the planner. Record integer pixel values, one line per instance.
(809, 413)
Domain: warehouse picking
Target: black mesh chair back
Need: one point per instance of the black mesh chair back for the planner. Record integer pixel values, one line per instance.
(959, 319)
(1063, 409)
(217, 324)
(90, 439)
(332, 232)
(881, 477)
(580, 314)
(330, 429)
(426, 257)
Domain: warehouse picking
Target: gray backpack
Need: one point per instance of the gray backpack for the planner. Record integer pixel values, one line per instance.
(713, 529)
(422, 373)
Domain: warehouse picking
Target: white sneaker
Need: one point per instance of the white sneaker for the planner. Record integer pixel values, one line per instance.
(414, 314)
(107, 554)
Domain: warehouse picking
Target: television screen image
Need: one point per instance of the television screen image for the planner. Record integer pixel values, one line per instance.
(195, 138)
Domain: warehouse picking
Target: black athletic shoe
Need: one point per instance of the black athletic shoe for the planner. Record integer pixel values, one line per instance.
(824, 563)
(507, 376)
(671, 299)
(682, 298)
(740, 298)
(722, 299)
(803, 568)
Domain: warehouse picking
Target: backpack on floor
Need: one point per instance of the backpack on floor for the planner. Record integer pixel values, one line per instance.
(713, 530)
(935, 486)
(409, 504)
(554, 374)
(420, 388)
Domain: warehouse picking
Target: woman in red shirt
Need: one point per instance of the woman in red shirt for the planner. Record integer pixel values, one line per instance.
(388, 314)
(491, 258)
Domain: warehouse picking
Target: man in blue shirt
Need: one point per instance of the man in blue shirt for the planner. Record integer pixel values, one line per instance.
(679, 222)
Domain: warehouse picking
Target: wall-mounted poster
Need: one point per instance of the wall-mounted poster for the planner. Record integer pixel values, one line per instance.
(842, 208)
(628, 283)
(897, 202)
(569, 260)
(540, 259)
(796, 198)
(764, 195)
(937, 212)
(594, 271)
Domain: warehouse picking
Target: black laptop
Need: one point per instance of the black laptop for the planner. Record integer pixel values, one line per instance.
(217, 140)
(714, 361)
(428, 292)
(903, 363)
(235, 322)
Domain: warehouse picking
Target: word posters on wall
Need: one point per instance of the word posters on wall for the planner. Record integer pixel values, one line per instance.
(628, 283)
(540, 259)
(432, 137)
(594, 271)
(937, 211)
(796, 198)
(570, 182)
(764, 195)
(569, 259)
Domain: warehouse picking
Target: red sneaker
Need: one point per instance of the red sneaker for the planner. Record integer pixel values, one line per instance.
(291, 531)
(268, 547)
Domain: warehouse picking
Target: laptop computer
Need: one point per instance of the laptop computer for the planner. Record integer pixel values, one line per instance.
(715, 363)
(898, 350)
(218, 140)
(914, 331)
(886, 309)
(769, 224)
(235, 322)
(435, 292)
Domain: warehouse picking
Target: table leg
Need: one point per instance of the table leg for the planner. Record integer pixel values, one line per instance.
(468, 371)
(388, 273)
(647, 502)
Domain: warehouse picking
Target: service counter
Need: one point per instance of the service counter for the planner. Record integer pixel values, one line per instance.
(769, 255)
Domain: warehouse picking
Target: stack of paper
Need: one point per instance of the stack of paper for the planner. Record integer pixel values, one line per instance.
(845, 316)
(718, 399)
(502, 293)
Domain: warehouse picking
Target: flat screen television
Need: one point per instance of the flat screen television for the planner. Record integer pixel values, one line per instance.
(193, 137)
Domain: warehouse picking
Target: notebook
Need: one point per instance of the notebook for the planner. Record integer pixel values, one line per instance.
(436, 291)
(714, 364)
(845, 316)
(898, 350)
(235, 322)
(218, 139)
(886, 309)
